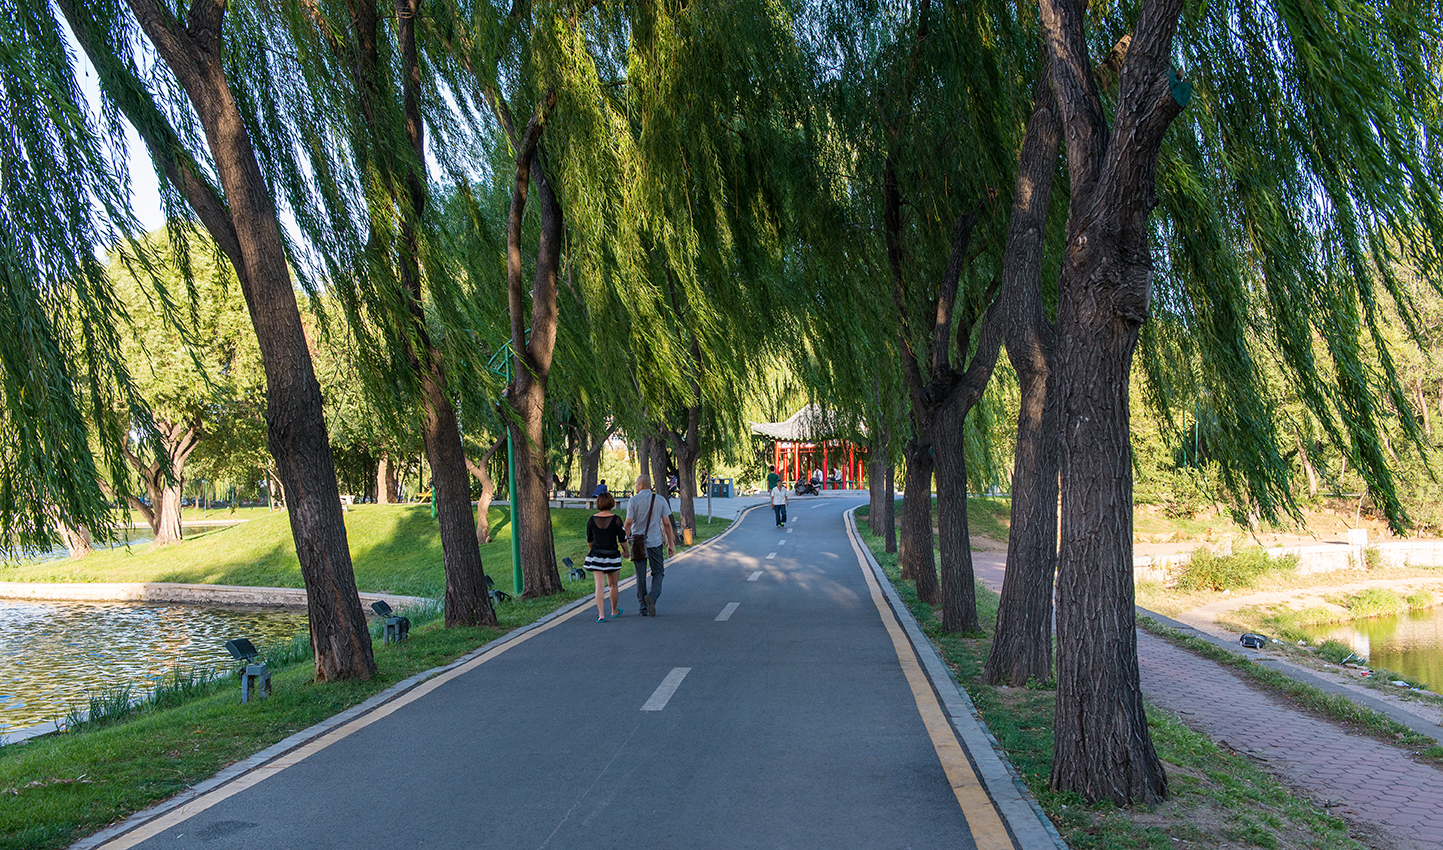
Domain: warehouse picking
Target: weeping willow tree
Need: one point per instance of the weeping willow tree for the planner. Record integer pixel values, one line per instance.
(927, 119)
(1309, 143)
(62, 374)
(343, 102)
(185, 110)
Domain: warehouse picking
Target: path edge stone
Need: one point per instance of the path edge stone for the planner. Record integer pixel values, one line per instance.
(1029, 825)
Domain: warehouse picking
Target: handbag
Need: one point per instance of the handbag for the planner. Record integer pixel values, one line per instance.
(638, 541)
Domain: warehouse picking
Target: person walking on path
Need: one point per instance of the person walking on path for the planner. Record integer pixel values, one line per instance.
(605, 533)
(646, 517)
(772, 478)
(780, 500)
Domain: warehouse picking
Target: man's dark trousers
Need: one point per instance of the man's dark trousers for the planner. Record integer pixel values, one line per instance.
(781, 512)
(655, 556)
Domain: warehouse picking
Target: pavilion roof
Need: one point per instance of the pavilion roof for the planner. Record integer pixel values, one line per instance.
(810, 424)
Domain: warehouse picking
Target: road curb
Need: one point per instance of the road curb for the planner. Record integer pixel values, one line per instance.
(330, 724)
(1030, 827)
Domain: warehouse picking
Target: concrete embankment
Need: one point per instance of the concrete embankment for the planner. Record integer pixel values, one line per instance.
(184, 594)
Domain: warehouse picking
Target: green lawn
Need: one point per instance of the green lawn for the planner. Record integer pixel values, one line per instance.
(394, 549)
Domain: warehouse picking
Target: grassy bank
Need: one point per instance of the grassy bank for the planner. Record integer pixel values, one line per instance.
(1218, 797)
(394, 549)
(62, 787)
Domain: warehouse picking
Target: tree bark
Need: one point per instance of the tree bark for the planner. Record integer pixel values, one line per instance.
(162, 485)
(1101, 745)
(76, 538)
(915, 557)
(245, 226)
(532, 360)
(591, 463)
(466, 601)
(1022, 642)
(889, 507)
(482, 473)
(385, 480)
(876, 486)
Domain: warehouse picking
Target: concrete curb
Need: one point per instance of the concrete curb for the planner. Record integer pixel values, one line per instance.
(305, 736)
(1029, 825)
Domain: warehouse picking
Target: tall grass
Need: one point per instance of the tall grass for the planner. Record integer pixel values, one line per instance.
(1210, 571)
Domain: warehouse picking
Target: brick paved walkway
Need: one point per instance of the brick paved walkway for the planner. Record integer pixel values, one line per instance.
(1368, 781)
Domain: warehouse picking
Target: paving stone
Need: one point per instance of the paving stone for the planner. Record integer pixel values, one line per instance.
(1373, 782)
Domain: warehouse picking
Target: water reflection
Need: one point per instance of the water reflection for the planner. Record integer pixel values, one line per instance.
(52, 654)
(1411, 644)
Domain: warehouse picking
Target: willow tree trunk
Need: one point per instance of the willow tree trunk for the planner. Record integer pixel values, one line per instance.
(591, 466)
(1022, 642)
(958, 587)
(76, 538)
(482, 473)
(385, 480)
(245, 226)
(876, 486)
(889, 507)
(915, 558)
(466, 600)
(687, 448)
(658, 465)
(532, 359)
(1101, 745)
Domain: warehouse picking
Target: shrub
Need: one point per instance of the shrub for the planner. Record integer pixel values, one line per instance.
(1209, 571)
(1376, 601)
(1420, 601)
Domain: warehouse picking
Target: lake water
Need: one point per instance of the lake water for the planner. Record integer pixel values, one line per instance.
(53, 654)
(1411, 644)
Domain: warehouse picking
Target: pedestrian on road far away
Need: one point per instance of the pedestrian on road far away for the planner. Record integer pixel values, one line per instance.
(648, 515)
(605, 535)
(780, 500)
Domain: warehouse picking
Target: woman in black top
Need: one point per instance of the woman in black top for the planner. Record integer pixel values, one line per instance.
(605, 532)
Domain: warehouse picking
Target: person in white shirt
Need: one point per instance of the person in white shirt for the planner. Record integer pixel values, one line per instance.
(780, 500)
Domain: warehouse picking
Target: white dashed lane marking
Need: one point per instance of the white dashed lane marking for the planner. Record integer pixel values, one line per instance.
(771, 556)
(667, 687)
(756, 575)
(726, 613)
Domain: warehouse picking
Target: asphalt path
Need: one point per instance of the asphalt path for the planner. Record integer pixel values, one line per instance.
(765, 706)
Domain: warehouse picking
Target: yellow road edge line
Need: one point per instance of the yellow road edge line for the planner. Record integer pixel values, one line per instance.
(259, 773)
(988, 831)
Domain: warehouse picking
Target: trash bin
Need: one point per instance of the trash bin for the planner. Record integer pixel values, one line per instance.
(721, 488)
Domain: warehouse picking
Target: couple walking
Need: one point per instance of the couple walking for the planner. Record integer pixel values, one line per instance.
(648, 517)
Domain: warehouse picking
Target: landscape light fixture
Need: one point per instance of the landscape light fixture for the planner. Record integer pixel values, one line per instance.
(577, 573)
(496, 594)
(397, 628)
(255, 675)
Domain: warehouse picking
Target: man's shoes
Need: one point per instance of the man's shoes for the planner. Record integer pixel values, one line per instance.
(642, 610)
(650, 605)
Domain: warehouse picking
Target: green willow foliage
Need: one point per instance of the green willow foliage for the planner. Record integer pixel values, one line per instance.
(62, 196)
(1299, 178)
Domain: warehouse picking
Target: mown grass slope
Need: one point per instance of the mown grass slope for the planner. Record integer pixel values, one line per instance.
(394, 549)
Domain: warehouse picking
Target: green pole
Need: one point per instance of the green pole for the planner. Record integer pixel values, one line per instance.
(511, 484)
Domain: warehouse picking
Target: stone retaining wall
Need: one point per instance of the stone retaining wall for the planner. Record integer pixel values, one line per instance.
(1321, 558)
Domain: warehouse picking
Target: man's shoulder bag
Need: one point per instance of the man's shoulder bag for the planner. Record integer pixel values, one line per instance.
(638, 540)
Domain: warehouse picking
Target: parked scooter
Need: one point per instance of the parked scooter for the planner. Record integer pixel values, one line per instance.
(805, 488)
